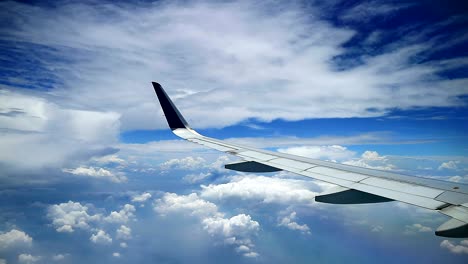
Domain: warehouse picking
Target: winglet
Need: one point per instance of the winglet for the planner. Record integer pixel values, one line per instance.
(173, 116)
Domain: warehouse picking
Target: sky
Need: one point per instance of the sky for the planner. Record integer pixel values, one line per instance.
(91, 173)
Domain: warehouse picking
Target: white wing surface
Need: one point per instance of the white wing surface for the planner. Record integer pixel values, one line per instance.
(356, 185)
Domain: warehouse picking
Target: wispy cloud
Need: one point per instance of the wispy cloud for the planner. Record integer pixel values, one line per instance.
(257, 52)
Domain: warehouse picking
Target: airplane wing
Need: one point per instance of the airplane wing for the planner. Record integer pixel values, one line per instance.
(356, 185)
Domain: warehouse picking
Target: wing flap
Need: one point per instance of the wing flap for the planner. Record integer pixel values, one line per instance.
(400, 196)
(453, 197)
(402, 187)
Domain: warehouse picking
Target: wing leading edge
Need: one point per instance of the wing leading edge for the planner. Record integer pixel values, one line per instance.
(355, 184)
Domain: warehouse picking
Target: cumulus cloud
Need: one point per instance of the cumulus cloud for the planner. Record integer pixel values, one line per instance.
(462, 179)
(194, 178)
(124, 233)
(122, 216)
(99, 173)
(236, 230)
(289, 222)
(372, 160)
(192, 204)
(239, 225)
(333, 152)
(209, 169)
(462, 248)
(68, 216)
(411, 229)
(449, 165)
(141, 198)
(187, 163)
(28, 258)
(14, 238)
(59, 257)
(51, 135)
(101, 237)
(371, 155)
(266, 189)
(116, 254)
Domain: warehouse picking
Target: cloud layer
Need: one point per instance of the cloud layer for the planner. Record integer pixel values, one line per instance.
(259, 52)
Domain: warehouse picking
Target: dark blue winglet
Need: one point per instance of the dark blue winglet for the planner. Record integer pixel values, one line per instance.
(173, 116)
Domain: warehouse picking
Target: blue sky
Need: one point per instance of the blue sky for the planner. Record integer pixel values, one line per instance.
(89, 171)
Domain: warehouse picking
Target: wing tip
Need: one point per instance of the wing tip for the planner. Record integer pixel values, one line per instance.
(174, 118)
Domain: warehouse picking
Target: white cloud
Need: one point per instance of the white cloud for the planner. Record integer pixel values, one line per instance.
(123, 245)
(51, 135)
(236, 230)
(239, 225)
(194, 178)
(454, 248)
(365, 11)
(122, 216)
(67, 216)
(101, 237)
(99, 173)
(14, 238)
(251, 254)
(289, 222)
(3, 261)
(59, 257)
(187, 163)
(371, 155)
(124, 232)
(411, 229)
(266, 189)
(462, 179)
(192, 204)
(28, 258)
(140, 198)
(260, 40)
(116, 254)
(109, 159)
(372, 160)
(333, 152)
(449, 165)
